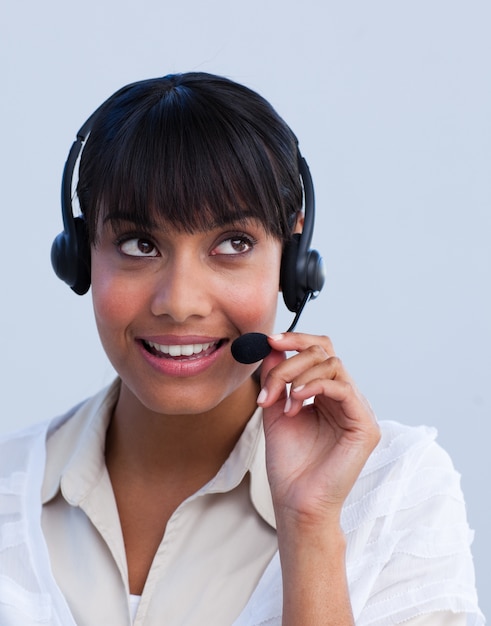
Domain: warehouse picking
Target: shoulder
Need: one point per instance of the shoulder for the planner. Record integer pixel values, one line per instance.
(400, 446)
(408, 482)
(26, 448)
(407, 464)
(407, 531)
(20, 449)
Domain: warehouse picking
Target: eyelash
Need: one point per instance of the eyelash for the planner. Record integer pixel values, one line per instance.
(242, 237)
(249, 241)
(120, 241)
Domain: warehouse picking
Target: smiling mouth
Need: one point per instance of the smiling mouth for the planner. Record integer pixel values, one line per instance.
(185, 351)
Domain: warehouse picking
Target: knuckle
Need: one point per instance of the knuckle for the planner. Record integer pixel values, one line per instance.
(318, 352)
(336, 362)
(347, 387)
(274, 376)
(327, 343)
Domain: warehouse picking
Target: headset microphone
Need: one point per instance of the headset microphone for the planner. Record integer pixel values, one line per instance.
(250, 348)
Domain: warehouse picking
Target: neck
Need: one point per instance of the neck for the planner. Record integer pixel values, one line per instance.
(188, 448)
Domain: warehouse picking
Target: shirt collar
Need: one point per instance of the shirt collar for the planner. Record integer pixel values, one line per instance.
(75, 447)
(260, 491)
(75, 456)
(248, 456)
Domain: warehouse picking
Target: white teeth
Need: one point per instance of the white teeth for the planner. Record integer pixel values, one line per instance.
(189, 349)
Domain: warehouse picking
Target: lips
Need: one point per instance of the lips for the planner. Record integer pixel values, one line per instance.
(181, 356)
(181, 350)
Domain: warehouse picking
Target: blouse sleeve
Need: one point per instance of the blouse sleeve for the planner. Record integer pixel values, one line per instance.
(408, 541)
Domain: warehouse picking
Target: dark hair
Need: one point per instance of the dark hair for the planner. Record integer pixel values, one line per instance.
(196, 149)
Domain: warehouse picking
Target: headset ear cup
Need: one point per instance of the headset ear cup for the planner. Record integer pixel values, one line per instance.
(58, 258)
(299, 276)
(316, 272)
(82, 281)
(71, 258)
(288, 273)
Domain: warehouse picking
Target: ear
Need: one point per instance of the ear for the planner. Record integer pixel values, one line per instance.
(299, 221)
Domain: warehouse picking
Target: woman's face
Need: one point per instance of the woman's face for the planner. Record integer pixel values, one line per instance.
(168, 305)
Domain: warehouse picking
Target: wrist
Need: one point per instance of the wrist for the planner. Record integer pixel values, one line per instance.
(309, 523)
(313, 563)
(312, 539)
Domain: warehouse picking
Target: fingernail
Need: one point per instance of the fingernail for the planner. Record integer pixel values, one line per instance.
(288, 405)
(299, 388)
(277, 337)
(263, 394)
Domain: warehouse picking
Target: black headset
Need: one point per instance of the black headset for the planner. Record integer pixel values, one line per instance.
(70, 251)
(302, 272)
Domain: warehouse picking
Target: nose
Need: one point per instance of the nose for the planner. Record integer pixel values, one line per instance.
(183, 289)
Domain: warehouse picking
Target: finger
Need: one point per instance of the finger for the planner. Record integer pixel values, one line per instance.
(300, 341)
(271, 361)
(331, 368)
(298, 370)
(355, 410)
(292, 406)
(319, 389)
(339, 391)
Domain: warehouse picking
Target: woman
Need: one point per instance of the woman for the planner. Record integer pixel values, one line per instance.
(198, 489)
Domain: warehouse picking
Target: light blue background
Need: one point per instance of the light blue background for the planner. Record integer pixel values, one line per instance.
(391, 102)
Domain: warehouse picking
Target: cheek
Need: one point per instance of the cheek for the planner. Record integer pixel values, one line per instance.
(113, 300)
(254, 302)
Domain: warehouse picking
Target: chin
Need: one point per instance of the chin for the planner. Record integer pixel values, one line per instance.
(181, 397)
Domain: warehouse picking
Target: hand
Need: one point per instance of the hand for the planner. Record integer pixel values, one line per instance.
(314, 451)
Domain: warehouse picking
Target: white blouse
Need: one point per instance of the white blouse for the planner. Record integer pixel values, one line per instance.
(408, 542)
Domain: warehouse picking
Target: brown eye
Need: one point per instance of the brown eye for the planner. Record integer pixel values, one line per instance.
(137, 246)
(238, 244)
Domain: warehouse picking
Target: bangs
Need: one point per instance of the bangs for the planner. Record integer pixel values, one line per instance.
(185, 159)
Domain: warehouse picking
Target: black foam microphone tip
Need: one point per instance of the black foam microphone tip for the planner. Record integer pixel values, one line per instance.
(250, 348)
